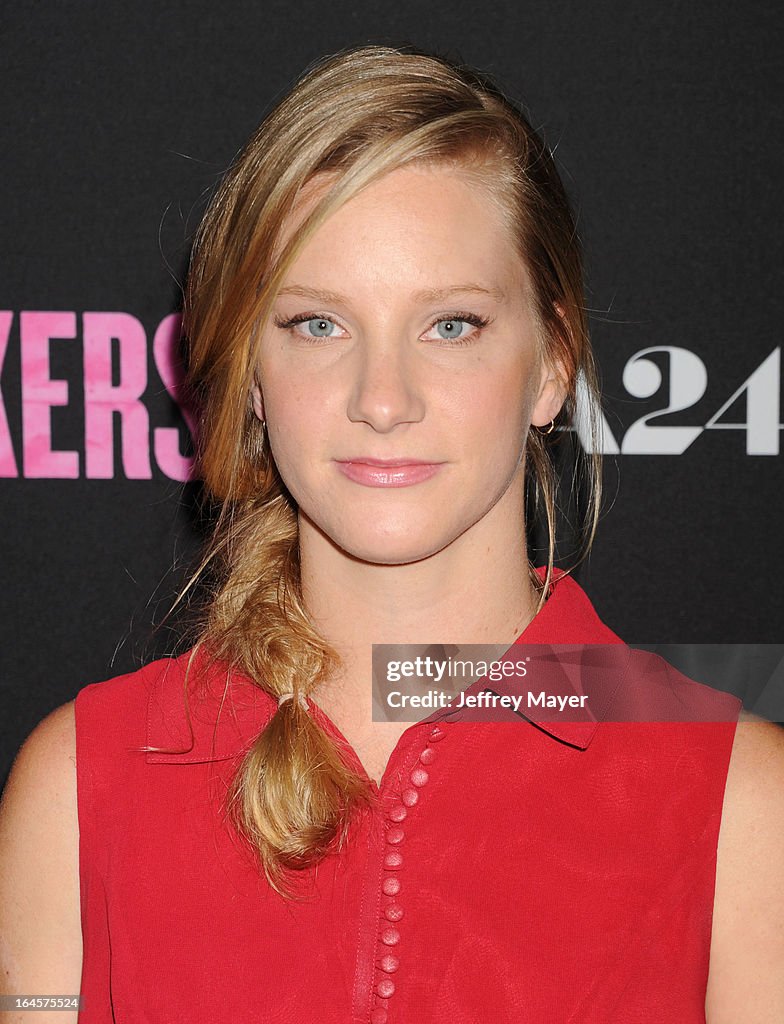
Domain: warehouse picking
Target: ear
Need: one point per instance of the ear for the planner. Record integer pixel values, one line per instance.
(553, 387)
(551, 394)
(256, 398)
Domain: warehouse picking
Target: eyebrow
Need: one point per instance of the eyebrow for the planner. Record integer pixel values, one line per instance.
(426, 295)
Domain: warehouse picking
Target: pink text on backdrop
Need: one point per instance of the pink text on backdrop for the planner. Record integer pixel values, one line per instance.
(105, 401)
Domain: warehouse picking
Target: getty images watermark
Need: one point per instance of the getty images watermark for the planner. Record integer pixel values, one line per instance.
(577, 682)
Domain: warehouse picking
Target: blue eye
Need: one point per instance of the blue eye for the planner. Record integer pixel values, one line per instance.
(455, 328)
(319, 327)
(451, 328)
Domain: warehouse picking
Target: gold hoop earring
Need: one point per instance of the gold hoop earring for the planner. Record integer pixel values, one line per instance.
(549, 429)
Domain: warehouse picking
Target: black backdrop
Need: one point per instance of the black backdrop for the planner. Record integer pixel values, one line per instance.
(118, 120)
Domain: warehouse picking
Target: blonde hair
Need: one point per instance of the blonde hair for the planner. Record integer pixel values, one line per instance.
(350, 118)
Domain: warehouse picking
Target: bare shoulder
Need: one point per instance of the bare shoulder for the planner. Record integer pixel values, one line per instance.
(40, 922)
(746, 980)
(46, 762)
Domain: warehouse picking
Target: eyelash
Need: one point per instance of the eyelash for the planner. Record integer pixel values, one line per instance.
(479, 322)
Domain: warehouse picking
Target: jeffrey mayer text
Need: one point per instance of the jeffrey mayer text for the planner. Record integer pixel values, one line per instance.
(484, 699)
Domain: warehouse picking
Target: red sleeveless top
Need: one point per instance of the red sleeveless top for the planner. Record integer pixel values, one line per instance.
(537, 870)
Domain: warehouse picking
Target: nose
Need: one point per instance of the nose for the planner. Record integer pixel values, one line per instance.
(385, 391)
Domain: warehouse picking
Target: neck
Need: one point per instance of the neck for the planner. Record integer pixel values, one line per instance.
(476, 590)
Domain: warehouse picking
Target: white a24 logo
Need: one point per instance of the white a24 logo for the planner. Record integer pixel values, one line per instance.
(688, 380)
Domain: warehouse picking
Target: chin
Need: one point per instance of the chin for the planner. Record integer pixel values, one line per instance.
(393, 548)
(407, 555)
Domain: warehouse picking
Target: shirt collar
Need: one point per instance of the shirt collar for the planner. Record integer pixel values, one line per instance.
(576, 654)
(226, 720)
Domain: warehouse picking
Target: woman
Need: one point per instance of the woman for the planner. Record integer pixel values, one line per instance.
(386, 323)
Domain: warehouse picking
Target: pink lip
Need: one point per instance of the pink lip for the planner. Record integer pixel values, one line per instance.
(387, 472)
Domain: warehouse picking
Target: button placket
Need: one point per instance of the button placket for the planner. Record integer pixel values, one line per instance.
(389, 938)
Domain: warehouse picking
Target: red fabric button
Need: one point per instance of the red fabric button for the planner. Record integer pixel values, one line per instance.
(409, 797)
(395, 836)
(379, 1016)
(391, 886)
(393, 912)
(389, 963)
(393, 860)
(427, 756)
(390, 936)
(398, 813)
(386, 987)
(437, 734)
(419, 777)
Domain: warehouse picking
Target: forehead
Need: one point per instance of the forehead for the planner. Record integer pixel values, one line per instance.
(421, 221)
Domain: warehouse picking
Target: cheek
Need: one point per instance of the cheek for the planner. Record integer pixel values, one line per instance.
(293, 404)
(295, 422)
(492, 414)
